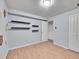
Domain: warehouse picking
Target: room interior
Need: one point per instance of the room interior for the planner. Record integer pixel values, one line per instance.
(39, 29)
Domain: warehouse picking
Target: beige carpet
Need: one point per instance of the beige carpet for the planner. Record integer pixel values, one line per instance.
(46, 50)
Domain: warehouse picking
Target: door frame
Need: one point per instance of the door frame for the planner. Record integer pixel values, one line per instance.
(70, 34)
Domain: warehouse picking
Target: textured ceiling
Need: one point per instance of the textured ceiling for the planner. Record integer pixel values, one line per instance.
(33, 6)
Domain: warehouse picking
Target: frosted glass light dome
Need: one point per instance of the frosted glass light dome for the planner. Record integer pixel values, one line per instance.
(47, 3)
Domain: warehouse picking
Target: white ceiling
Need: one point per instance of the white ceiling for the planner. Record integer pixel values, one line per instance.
(33, 6)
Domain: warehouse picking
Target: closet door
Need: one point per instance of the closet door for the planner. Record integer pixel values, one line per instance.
(44, 30)
(73, 33)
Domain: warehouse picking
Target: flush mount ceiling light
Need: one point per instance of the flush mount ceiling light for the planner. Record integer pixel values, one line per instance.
(47, 3)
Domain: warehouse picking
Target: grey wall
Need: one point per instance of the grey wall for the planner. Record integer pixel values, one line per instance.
(22, 37)
(3, 48)
(60, 35)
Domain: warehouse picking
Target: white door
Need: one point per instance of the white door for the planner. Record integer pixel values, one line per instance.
(44, 31)
(3, 47)
(73, 33)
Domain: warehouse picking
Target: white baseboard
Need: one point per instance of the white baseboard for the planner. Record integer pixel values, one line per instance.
(27, 45)
(60, 45)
